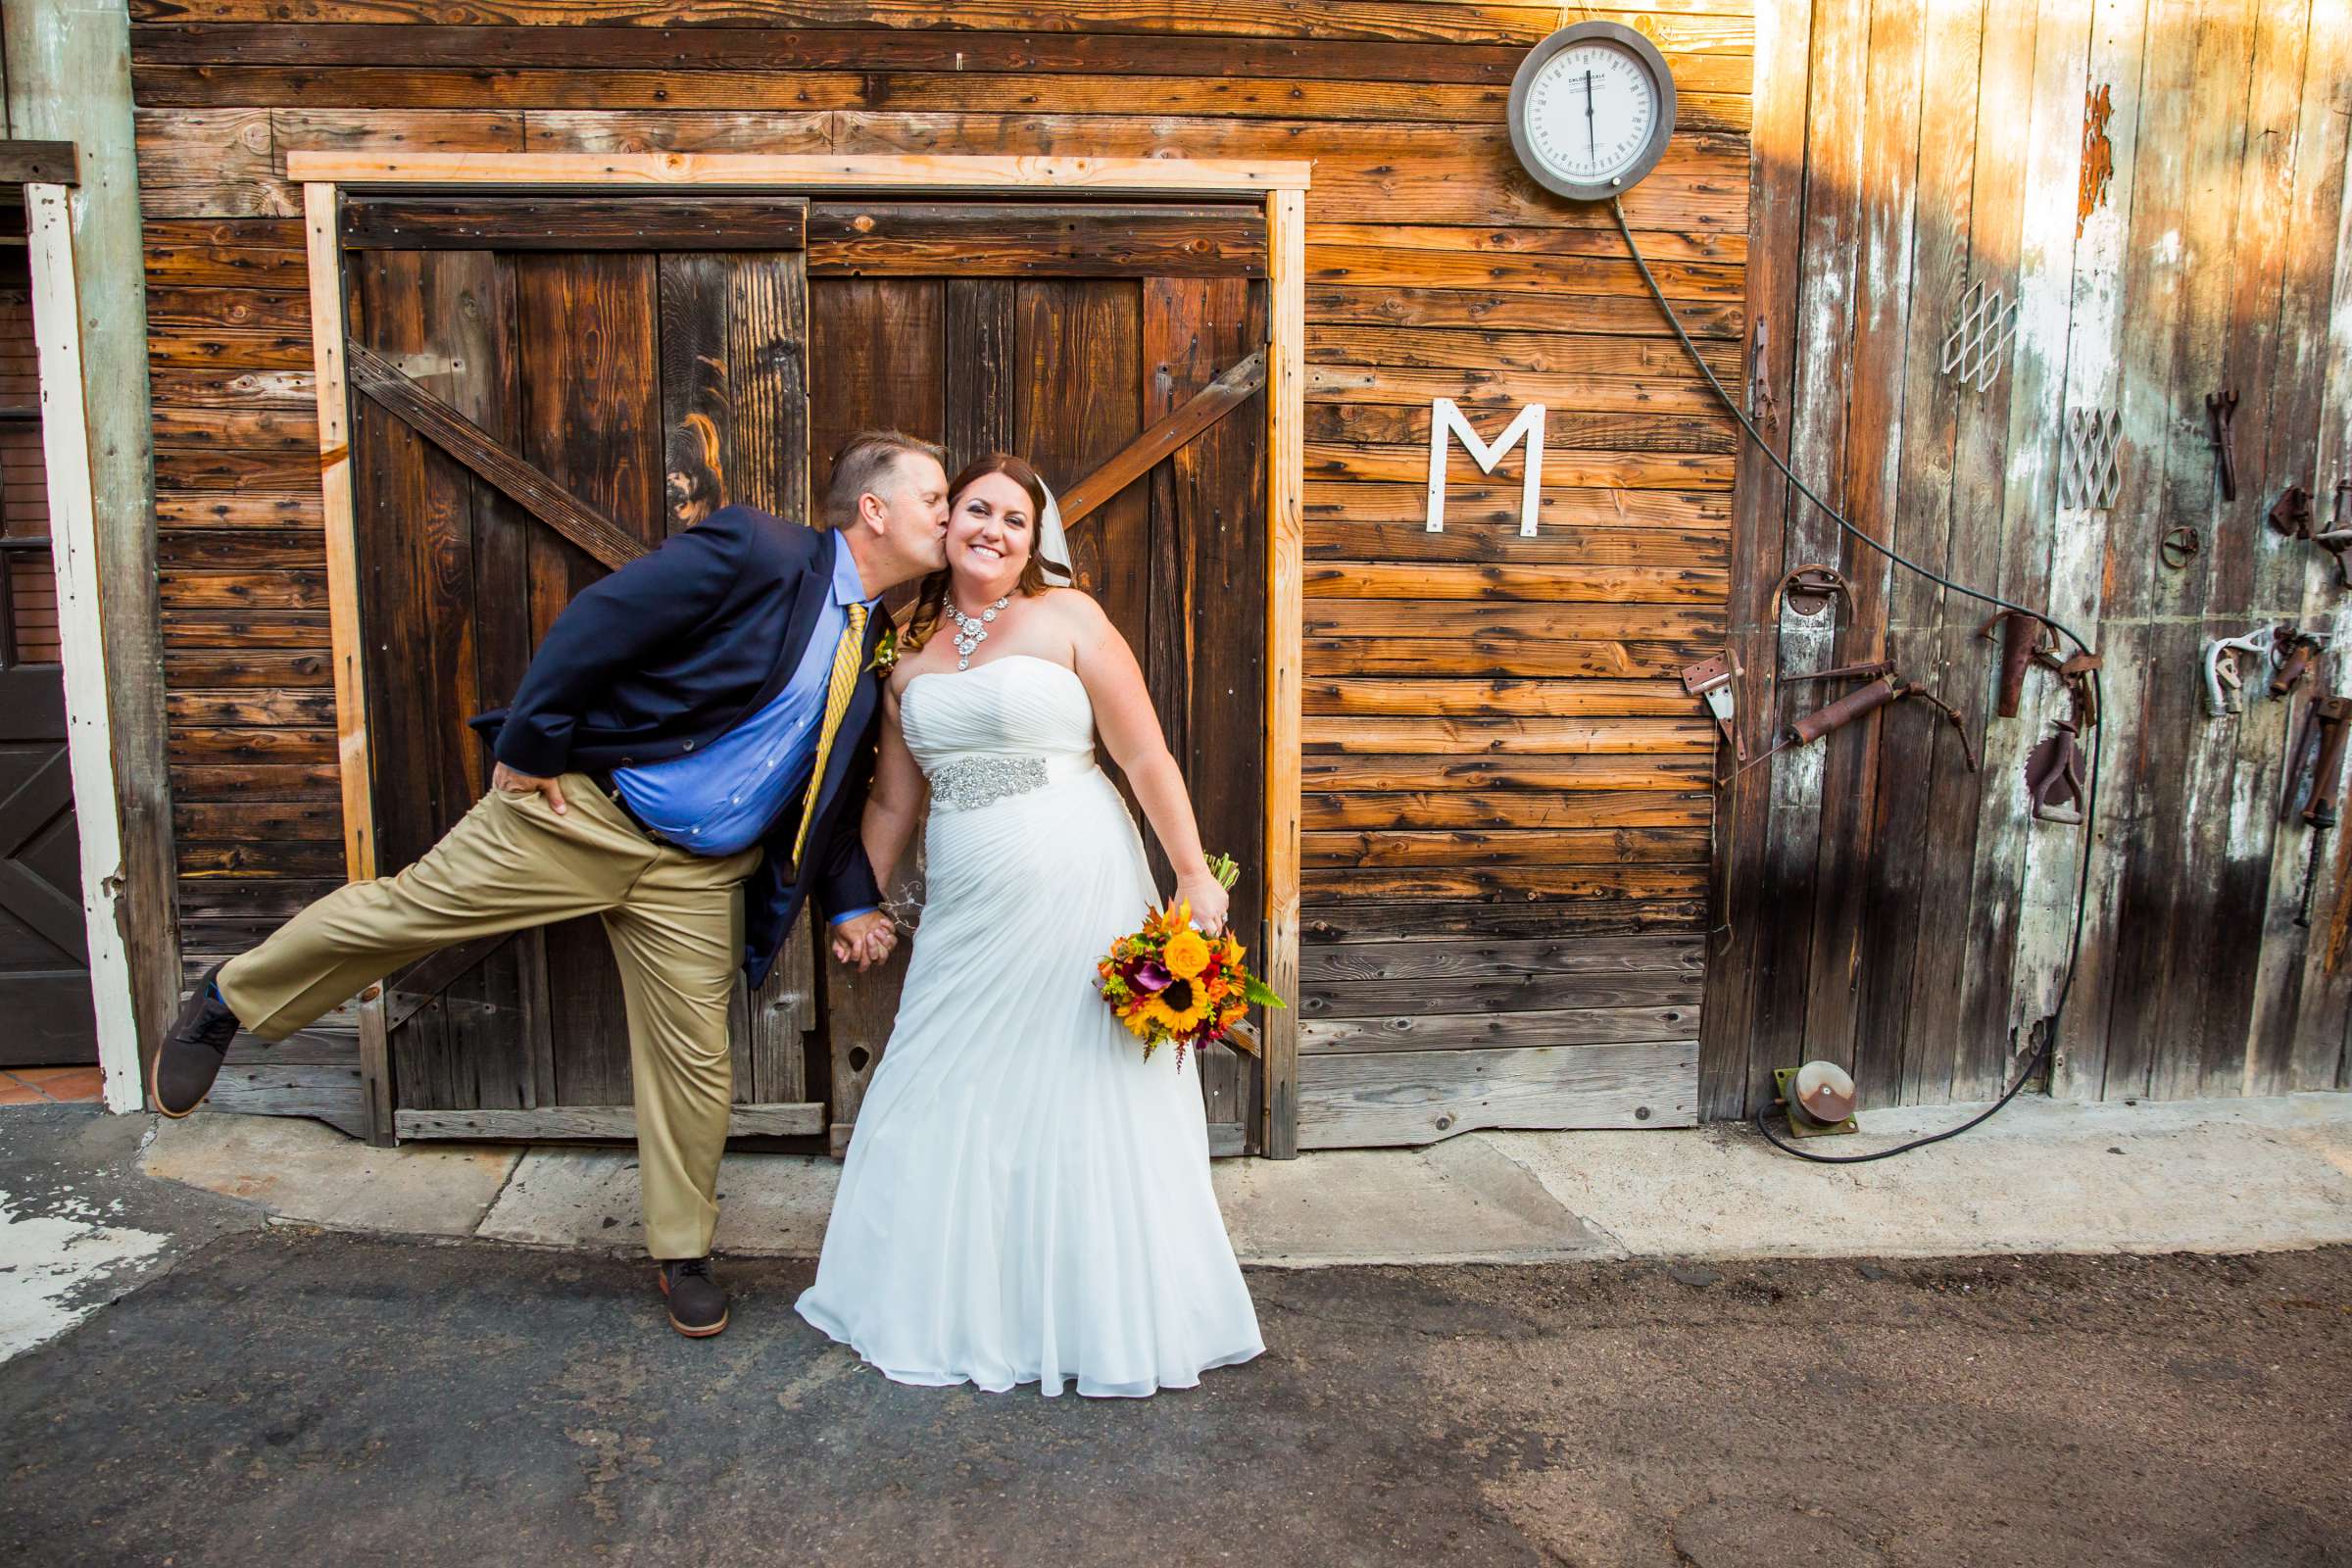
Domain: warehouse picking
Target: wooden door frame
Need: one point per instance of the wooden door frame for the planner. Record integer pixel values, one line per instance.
(1281, 183)
(47, 171)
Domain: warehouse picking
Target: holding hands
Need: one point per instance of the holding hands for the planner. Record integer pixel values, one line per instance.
(866, 939)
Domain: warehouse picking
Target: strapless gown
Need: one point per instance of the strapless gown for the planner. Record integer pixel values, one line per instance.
(1027, 1199)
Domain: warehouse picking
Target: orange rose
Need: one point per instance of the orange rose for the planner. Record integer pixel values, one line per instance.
(1187, 955)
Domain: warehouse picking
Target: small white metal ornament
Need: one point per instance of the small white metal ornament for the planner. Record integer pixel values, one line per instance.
(1446, 421)
(1977, 346)
(2090, 470)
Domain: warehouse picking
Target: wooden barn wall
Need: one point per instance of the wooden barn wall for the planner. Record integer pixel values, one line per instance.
(2160, 187)
(1500, 762)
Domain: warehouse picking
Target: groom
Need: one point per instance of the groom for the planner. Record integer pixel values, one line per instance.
(687, 757)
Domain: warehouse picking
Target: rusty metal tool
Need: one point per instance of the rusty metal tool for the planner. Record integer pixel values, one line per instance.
(2294, 654)
(2324, 735)
(2179, 547)
(2054, 776)
(2290, 513)
(2054, 779)
(2223, 406)
(1713, 681)
(2224, 678)
(1885, 687)
(2025, 639)
(2075, 673)
(2336, 541)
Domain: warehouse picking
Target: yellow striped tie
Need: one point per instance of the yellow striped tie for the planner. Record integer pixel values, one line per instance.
(847, 655)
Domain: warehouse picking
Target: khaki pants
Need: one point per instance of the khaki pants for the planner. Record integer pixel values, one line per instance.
(675, 921)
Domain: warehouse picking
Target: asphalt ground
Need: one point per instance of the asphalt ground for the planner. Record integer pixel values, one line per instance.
(277, 1394)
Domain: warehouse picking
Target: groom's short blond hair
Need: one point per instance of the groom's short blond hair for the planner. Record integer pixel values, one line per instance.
(864, 462)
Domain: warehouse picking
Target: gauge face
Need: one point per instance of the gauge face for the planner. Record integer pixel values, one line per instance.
(1589, 113)
(1592, 109)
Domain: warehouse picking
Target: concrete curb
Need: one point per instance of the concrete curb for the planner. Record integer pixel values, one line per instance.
(2220, 1176)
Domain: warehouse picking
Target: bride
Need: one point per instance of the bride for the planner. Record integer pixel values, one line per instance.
(1026, 1198)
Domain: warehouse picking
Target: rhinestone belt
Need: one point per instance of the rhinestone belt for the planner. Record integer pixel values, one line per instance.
(975, 781)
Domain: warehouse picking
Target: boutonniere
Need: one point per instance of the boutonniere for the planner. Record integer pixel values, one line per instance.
(886, 651)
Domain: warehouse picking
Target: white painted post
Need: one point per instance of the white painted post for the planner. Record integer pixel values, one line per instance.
(74, 550)
(1447, 420)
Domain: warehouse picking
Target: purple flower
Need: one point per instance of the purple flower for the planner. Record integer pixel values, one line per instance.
(1152, 975)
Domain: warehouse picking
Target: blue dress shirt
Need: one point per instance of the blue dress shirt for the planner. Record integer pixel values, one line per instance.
(724, 796)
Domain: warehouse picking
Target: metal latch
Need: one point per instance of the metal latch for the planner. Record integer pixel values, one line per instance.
(1711, 681)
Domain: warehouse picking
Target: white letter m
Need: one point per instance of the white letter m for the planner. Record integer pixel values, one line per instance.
(1445, 419)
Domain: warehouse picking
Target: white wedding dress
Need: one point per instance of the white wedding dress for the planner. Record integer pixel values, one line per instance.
(1026, 1198)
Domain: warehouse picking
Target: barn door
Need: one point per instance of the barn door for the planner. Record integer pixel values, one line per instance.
(1069, 334)
(44, 947)
(540, 391)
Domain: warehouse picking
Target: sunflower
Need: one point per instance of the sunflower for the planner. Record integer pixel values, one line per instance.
(1184, 1006)
(1187, 955)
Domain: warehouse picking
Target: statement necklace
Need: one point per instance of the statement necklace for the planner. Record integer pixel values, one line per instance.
(971, 631)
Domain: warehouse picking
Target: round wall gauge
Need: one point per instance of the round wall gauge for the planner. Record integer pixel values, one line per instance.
(1591, 110)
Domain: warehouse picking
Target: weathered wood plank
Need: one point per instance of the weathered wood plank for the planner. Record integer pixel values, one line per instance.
(1514, 736)
(268, 430)
(1869, 363)
(1285, 665)
(1459, 349)
(2303, 987)
(227, 387)
(1256, 97)
(1490, 880)
(1472, 510)
(551, 1124)
(1364, 260)
(1564, 430)
(39, 162)
(1663, 470)
(1406, 697)
(1393, 772)
(1466, 810)
(330, 1094)
(573, 222)
(1494, 1031)
(1687, 27)
(1349, 920)
(1508, 654)
(1611, 585)
(1413, 1096)
(1528, 847)
(213, 510)
(1606, 957)
(1438, 618)
(1338, 305)
(866, 51)
(981, 240)
(1492, 392)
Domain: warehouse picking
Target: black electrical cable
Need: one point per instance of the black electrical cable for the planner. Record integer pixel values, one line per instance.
(2090, 792)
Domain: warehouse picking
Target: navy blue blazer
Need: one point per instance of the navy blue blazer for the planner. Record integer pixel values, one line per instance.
(674, 650)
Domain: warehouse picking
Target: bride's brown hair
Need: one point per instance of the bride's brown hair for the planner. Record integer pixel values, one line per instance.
(924, 618)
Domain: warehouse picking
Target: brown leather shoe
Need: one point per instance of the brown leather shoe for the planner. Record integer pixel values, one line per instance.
(698, 1302)
(190, 1057)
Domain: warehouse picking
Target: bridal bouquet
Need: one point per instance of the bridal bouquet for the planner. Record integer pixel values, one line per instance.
(1170, 982)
